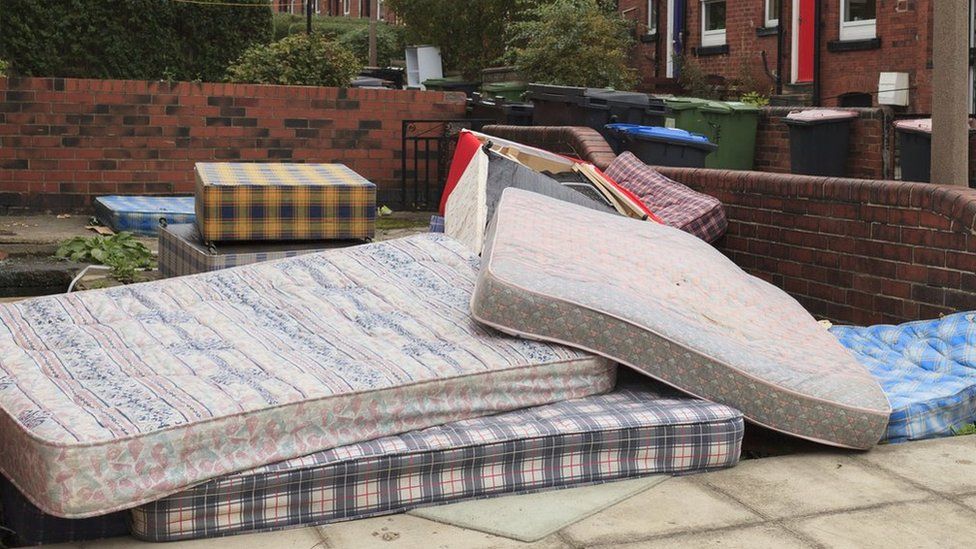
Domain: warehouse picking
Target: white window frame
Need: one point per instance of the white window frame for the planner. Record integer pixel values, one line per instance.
(652, 17)
(768, 7)
(713, 37)
(347, 7)
(857, 30)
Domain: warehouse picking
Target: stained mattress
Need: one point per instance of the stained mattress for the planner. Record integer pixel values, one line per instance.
(667, 304)
(141, 215)
(117, 397)
(927, 369)
(636, 430)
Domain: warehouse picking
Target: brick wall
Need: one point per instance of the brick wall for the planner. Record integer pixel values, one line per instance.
(870, 152)
(851, 250)
(63, 141)
(744, 60)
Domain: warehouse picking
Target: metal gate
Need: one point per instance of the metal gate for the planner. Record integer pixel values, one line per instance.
(427, 147)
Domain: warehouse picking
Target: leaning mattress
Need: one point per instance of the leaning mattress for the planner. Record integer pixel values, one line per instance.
(636, 430)
(117, 397)
(669, 305)
(927, 369)
(142, 215)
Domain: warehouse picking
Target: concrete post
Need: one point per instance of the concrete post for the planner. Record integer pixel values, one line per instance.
(950, 92)
(374, 16)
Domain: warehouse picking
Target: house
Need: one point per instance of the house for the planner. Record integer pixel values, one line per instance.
(836, 63)
(337, 8)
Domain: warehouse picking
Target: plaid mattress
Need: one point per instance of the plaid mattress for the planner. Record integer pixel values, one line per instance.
(676, 204)
(927, 370)
(436, 224)
(141, 214)
(283, 202)
(182, 251)
(631, 432)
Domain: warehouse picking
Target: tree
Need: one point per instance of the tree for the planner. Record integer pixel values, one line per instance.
(469, 33)
(573, 43)
(297, 60)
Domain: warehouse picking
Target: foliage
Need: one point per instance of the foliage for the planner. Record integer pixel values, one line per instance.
(469, 33)
(755, 98)
(141, 39)
(389, 43)
(694, 80)
(122, 252)
(287, 24)
(573, 42)
(968, 429)
(300, 59)
(4, 66)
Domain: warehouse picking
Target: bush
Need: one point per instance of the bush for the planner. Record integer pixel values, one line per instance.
(301, 59)
(389, 43)
(141, 39)
(4, 66)
(286, 24)
(573, 43)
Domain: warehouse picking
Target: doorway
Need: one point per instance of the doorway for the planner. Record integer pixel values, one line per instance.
(804, 25)
(674, 36)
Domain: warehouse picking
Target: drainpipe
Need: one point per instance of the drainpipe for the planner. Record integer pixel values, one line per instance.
(817, 33)
(779, 48)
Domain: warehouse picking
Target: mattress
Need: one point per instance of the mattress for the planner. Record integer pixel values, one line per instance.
(669, 305)
(472, 203)
(113, 398)
(677, 205)
(141, 215)
(182, 251)
(927, 369)
(634, 431)
(248, 201)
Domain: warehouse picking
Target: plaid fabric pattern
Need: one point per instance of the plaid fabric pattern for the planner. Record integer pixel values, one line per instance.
(28, 525)
(240, 201)
(630, 432)
(927, 370)
(141, 214)
(436, 224)
(678, 205)
(183, 252)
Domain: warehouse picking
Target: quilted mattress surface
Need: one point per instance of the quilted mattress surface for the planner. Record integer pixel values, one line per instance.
(927, 369)
(142, 214)
(116, 397)
(636, 430)
(669, 305)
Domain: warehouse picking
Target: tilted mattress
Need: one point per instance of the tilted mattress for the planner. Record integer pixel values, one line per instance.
(636, 430)
(141, 215)
(669, 305)
(927, 369)
(116, 397)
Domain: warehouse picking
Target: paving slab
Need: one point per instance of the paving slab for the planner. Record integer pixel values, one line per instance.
(800, 485)
(299, 538)
(753, 537)
(531, 517)
(946, 465)
(678, 505)
(409, 532)
(924, 524)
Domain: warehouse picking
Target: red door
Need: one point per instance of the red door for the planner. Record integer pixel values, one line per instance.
(804, 39)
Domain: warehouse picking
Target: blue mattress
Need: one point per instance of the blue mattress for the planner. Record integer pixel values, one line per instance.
(926, 368)
(141, 214)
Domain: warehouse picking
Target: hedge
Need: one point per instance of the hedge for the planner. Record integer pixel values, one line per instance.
(137, 39)
(351, 32)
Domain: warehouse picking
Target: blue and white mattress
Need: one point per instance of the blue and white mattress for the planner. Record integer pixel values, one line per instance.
(141, 215)
(926, 368)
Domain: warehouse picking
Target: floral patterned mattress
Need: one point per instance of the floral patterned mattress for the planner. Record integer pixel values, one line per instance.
(669, 305)
(113, 398)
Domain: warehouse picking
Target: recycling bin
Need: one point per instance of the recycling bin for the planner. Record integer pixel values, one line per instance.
(557, 105)
(452, 83)
(503, 112)
(594, 107)
(659, 146)
(732, 126)
(511, 91)
(683, 113)
(819, 141)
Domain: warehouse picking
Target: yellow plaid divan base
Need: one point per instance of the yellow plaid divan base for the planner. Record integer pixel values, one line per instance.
(241, 201)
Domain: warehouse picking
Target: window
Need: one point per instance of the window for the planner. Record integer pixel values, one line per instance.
(772, 13)
(346, 6)
(651, 16)
(713, 23)
(858, 19)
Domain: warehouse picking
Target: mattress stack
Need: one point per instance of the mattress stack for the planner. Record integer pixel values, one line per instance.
(247, 212)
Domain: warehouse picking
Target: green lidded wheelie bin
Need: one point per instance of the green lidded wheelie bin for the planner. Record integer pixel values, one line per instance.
(511, 91)
(732, 126)
(684, 113)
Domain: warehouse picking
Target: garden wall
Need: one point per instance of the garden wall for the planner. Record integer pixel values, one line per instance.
(63, 141)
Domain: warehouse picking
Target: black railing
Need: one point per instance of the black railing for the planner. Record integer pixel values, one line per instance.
(427, 147)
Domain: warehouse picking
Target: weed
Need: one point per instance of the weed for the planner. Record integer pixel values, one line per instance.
(122, 252)
(968, 429)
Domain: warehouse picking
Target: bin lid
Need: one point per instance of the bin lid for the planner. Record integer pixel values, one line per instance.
(816, 116)
(658, 133)
(613, 96)
(684, 103)
(552, 89)
(729, 107)
(506, 86)
(924, 125)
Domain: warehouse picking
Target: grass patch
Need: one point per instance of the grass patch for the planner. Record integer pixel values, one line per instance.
(390, 223)
(968, 429)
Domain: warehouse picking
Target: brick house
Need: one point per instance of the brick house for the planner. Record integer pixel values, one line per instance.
(346, 8)
(837, 63)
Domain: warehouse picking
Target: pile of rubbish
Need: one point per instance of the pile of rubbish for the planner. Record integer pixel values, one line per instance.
(436, 368)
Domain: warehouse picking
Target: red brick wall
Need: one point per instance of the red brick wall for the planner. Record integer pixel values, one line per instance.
(65, 140)
(853, 251)
(744, 60)
(871, 143)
